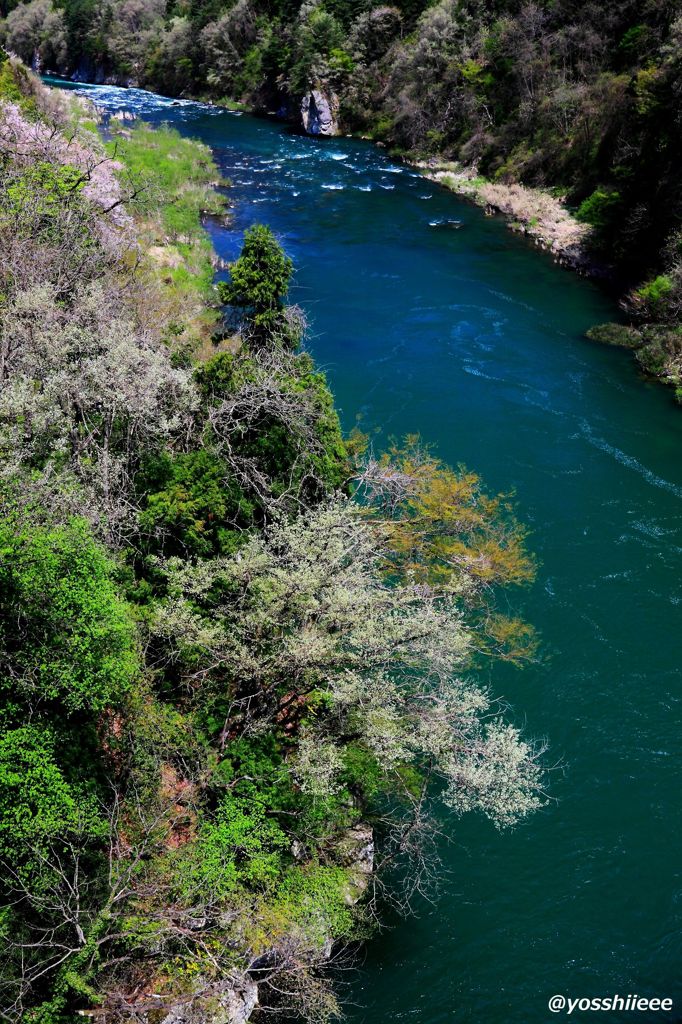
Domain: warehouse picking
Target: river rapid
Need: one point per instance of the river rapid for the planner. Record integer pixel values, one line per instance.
(467, 334)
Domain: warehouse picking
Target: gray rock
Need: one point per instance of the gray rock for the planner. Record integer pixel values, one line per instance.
(215, 1004)
(355, 851)
(238, 1004)
(319, 113)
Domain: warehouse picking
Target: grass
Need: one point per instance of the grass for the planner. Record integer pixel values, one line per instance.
(177, 178)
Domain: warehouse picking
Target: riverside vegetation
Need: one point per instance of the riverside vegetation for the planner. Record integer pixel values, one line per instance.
(238, 650)
(581, 102)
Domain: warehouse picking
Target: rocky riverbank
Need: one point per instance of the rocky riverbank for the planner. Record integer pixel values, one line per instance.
(234, 999)
(533, 212)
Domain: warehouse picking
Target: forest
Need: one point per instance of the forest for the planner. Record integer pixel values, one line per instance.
(582, 101)
(238, 649)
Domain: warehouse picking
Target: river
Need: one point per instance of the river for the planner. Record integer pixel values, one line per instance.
(475, 339)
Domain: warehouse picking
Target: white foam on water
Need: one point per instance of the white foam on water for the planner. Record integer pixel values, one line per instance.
(476, 371)
(651, 529)
(334, 188)
(629, 460)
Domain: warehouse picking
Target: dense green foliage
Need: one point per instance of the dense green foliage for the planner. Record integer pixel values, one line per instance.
(221, 674)
(258, 283)
(66, 636)
(259, 279)
(40, 806)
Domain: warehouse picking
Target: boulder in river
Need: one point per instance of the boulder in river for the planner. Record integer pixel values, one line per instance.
(319, 112)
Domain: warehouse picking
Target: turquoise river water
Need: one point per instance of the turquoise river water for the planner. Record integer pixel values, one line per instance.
(476, 340)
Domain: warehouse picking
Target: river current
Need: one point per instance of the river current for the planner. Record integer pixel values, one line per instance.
(467, 334)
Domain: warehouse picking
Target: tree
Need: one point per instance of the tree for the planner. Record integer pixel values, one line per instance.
(39, 806)
(259, 280)
(37, 31)
(445, 531)
(304, 623)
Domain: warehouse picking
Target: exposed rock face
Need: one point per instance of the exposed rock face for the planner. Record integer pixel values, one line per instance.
(216, 1005)
(97, 74)
(233, 1002)
(237, 1004)
(355, 851)
(319, 113)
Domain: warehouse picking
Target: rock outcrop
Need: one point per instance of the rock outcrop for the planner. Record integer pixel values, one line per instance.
(233, 1002)
(319, 112)
(355, 852)
(216, 1004)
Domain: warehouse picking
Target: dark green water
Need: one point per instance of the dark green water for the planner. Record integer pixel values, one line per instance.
(475, 339)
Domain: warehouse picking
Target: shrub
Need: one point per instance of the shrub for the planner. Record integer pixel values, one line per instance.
(192, 506)
(65, 635)
(38, 806)
(652, 298)
(600, 208)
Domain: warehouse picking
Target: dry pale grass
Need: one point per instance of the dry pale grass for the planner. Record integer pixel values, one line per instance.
(532, 211)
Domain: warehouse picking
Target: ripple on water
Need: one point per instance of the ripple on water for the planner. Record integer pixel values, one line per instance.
(628, 460)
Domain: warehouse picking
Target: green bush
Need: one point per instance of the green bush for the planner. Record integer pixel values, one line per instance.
(653, 297)
(259, 280)
(39, 809)
(65, 635)
(239, 846)
(600, 208)
(192, 505)
(314, 897)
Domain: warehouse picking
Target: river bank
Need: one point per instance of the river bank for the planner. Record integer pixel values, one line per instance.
(533, 212)
(545, 220)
